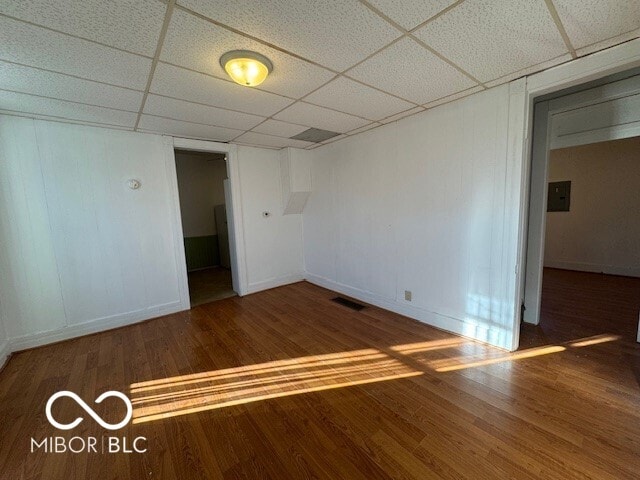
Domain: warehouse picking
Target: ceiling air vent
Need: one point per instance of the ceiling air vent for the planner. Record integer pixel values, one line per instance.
(315, 135)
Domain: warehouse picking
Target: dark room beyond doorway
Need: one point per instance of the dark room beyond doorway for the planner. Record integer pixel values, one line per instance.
(201, 177)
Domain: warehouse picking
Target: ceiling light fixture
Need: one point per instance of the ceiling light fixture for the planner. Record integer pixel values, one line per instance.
(245, 67)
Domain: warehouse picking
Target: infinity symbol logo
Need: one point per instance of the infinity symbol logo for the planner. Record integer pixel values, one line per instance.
(89, 410)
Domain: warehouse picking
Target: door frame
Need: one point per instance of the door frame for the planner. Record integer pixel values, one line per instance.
(536, 221)
(548, 112)
(616, 59)
(237, 248)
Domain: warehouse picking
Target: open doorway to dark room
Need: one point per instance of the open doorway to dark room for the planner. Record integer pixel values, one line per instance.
(201, 177)
(591, 269)
(582, 279)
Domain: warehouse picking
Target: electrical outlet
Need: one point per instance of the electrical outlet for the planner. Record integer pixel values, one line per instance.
(407, 295)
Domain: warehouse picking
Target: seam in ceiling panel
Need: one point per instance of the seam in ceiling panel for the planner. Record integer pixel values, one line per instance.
(317, 101)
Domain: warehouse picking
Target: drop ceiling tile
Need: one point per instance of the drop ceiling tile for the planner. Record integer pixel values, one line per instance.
(132, 25)
(333, 33)
(400, 115)
(197, 87)
(185, 129)
(48, 84)
(261, 140)
(610, 42)
(334, 139)
(29, 45)
(410, 13)
(352, 97)
(20, 102)
(492, 38)
(196, 113)
(326, 142)
(280, 129)
(455, 96)
(530, 70)
(198, 44)
(51, 118)
(319, 117)
(592, 21)
(363, 129)
(410, 71)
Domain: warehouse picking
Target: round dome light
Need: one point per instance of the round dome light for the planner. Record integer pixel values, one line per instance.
(245, 67)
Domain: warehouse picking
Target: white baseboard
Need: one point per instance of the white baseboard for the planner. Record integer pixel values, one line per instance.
(463, 327)
(594, 268)
(5, 351)
(121, 320)
(93, 326)
(273, 283)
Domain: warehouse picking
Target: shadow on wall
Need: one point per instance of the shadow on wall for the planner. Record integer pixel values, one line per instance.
(202, 252)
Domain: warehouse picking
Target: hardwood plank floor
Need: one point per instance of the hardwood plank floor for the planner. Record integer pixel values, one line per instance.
(285, 384)
(210, 284)
(583, 304)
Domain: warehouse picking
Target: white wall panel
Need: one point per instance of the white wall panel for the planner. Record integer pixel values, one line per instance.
(273, 243)
(321, 237)
(81, 251)
(365, 197)
(295, 177)
(420, 205)
(30, 288)
(113, 245)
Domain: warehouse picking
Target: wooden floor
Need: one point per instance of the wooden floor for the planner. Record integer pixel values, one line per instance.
(210, 284)
(584, 304)
(286, 384)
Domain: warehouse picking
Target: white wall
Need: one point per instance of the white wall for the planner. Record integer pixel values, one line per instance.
(200, 185)
(606, 112)
(477, 146)
(80, 250)
(601, 232)
(424, 205)
(273, 244)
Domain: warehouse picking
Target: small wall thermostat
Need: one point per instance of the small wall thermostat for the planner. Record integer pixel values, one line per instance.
(134, 184)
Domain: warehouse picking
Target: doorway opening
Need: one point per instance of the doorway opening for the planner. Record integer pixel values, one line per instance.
(202, 182)
(582, 275)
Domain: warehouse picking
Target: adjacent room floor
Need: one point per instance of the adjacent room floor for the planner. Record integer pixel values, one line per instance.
(581, 304)
(209, 285)
(286, 384)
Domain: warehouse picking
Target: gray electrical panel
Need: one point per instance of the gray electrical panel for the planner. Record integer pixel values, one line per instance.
(559, 197)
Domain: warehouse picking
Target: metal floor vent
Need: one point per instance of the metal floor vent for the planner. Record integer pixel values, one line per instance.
(348, 303)
(315, 135)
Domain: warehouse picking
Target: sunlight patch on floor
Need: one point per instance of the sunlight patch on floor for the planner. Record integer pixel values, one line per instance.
(452, 364)
(596, 339)
(185, 394)
(198, 392)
